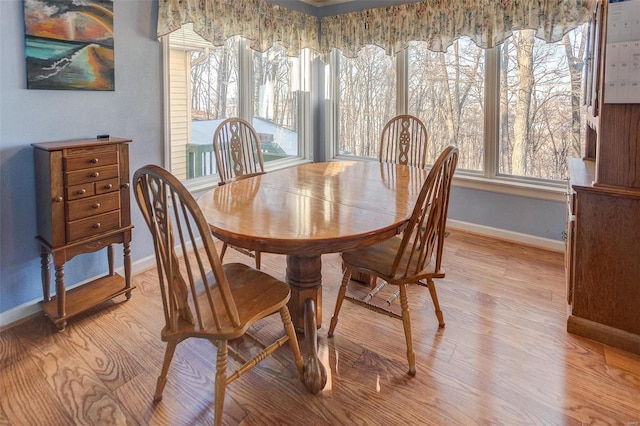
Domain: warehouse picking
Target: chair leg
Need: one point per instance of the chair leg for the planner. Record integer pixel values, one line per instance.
(221, 381)
(406, 323)
(341, 293)
(434, 296)
(293, 340)
(162, 379)
(223, 250)
(258, 259)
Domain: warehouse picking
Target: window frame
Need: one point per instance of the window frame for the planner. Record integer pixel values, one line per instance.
(245, 111)
(489, 179)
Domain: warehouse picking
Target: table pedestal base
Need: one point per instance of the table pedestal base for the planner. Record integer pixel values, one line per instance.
(304, 276)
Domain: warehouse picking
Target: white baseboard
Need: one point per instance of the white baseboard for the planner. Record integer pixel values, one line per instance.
(32, 307)
(504, 234)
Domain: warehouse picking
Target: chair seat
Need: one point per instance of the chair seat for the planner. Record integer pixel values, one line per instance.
(253, 302)
(378, 260)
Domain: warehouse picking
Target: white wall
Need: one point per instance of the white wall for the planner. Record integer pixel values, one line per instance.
(133, 110)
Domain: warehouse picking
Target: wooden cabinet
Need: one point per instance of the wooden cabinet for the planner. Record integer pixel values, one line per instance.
(603, 213)
(83, 205)
(603, 260)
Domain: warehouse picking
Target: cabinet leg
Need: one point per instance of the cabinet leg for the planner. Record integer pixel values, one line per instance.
(45, 262)
(60, 292)
(110, 259)
(127, 268)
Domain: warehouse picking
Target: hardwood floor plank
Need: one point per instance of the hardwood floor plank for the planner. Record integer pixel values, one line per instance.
(101, 351)
(504, 357)
(80, 391)
(25, 396)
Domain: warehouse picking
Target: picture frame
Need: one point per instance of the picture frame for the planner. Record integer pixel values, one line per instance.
(69, 44)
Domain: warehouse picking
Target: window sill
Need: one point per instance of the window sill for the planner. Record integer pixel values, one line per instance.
(530, 188)
(548, 191)
(200, 185)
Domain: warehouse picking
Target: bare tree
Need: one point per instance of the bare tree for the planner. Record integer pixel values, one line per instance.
(213, 72)
(505, 134)
(446, 93)
(574, 49)
(523, 41)
(367, 100)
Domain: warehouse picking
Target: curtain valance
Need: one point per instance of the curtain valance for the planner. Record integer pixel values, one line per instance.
(440, 22)
(262, 23)
(437, 22)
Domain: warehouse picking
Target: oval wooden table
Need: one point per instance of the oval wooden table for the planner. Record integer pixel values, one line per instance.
(309, 210)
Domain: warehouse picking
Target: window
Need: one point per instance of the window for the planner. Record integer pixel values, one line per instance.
(278, 92)
(208, 84)
(446, 92)
(541, 120)
(513, 111)
(367, 101)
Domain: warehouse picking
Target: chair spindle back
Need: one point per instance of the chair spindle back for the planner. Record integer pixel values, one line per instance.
(237, 148)
(422, 241)
(195, 281)
(404, 141)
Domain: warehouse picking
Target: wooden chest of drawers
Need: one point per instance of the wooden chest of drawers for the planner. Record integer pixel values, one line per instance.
(83, 204)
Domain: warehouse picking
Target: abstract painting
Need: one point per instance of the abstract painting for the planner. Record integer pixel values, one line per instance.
(69, 44)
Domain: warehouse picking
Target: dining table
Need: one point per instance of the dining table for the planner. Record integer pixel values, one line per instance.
(309, 210)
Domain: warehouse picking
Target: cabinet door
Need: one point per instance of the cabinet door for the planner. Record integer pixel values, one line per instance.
(606, 262)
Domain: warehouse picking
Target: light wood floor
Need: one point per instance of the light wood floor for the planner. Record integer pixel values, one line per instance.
(503, 358)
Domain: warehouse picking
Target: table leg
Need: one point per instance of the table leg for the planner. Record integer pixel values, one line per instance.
(304, 276)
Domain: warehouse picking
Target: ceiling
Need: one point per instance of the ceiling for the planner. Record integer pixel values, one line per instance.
(321, 3)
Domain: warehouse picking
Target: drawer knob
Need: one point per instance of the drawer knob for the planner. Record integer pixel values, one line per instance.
(58, 199)
(95, 174)
(81, 191)
(96, 206)
(96, 225)
(125, 185)
(94, 160)
(108, 186)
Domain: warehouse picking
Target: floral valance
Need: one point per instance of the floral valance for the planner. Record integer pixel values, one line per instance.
(262, 23)
(439, 22)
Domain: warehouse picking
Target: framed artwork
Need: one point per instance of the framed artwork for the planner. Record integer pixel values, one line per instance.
(69, 44)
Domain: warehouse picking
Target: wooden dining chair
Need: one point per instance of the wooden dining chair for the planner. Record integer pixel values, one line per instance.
(416, 258)
(404, 140)
(201, 297)
(236, 145)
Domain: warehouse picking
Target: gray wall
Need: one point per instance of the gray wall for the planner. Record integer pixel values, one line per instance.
(134, 110)
(533, 217)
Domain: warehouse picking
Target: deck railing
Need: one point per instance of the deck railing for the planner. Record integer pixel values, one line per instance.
(200, 160)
